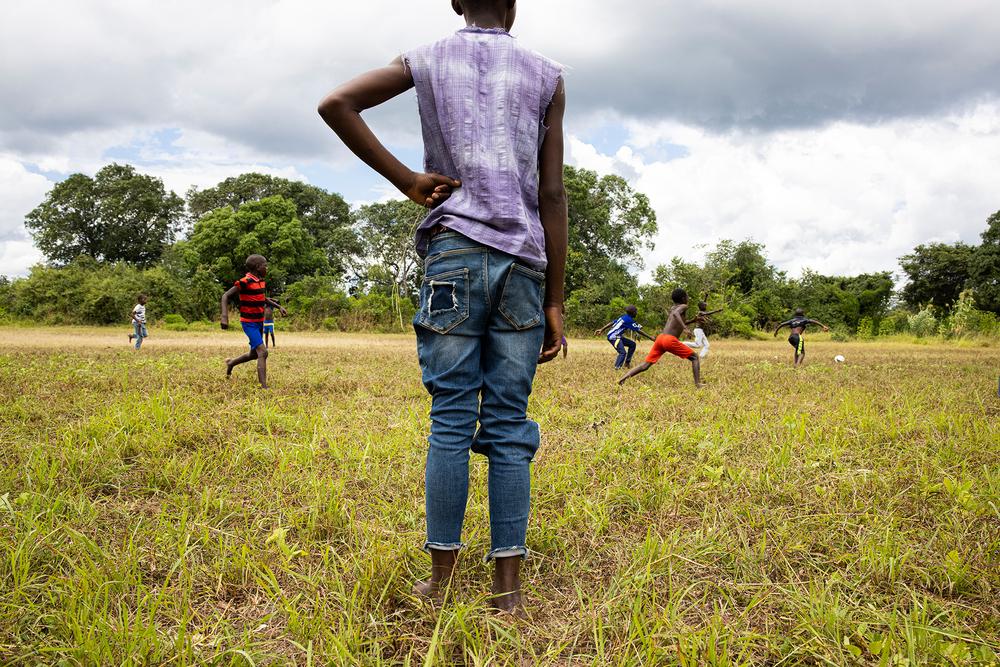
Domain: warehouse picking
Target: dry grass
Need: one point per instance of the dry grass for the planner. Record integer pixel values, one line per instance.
(151, 512)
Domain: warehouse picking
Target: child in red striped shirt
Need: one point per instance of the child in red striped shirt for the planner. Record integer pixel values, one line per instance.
(251, 290)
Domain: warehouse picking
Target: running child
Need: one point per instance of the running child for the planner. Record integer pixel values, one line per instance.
(668, 341)
(139, 322)
(617, 336)
(250, 289)
(796, 339)
(701, 319)
(269, 324)
(491, 113)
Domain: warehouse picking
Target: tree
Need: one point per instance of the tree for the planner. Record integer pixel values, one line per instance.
(388, 262)
(984, 267)
(119, 215)
(223, 239)
(936, 274)
(325, 216)
(610, 224)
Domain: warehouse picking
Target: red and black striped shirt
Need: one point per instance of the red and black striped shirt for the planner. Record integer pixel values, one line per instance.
(251, 298)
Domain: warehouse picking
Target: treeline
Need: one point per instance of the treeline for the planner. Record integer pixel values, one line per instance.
(109, 237)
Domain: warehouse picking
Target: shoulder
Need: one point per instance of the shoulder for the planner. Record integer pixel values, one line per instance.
(424, 53)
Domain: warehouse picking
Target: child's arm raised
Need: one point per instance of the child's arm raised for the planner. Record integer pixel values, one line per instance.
(783, 324)
(553, 211)
(819, 324)
(341, 110)
(224, 306)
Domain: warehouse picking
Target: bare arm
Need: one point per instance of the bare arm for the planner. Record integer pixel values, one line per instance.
(607, 326)
(341, 110)
(783, 324)
(275, 304)
(819, 324)
(645, 335)
(224, 305)
(553, 211)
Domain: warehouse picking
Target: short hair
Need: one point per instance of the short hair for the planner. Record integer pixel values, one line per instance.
(800, 311)
(679, 296)
(631, 310)
(141, 297)
(702, 305)
(255, 262)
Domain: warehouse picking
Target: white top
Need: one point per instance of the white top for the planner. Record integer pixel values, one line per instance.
(139, 312)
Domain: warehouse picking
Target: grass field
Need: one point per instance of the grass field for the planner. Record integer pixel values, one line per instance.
(153, 513)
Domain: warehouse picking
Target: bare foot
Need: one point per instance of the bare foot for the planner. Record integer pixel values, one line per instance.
(429, 590)
(229, 367)
(509, 603)
(507, 586)
(443, 564)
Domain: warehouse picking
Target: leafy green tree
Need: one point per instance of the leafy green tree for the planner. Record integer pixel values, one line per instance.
(610, 225)
(223, 239)
(388, 262)
(324, 215)
(984, 267)
(119, 215)
(936, 274)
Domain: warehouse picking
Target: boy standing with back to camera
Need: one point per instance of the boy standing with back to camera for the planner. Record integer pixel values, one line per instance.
(491, 113)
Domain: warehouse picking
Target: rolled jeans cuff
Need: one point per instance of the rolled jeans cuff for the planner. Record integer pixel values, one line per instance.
(443, 546)
(506, 552)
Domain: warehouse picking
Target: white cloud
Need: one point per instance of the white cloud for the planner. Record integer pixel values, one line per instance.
(20, 191)
(844, 199)
(843, 139)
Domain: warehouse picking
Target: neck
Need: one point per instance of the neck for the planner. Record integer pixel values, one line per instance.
(487, 19)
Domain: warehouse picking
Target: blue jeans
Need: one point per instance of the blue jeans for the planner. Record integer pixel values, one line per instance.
(479, 331)
(626, 348)
(140, 332)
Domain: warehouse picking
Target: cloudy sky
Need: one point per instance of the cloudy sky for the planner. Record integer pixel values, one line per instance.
(838, 134)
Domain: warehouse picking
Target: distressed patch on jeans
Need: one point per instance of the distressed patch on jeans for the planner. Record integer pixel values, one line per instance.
(443, 298)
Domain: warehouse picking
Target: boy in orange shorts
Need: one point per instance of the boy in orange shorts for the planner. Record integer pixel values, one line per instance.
(668, 341)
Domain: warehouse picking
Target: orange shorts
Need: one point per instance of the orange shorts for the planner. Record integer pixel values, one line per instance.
(668, 343)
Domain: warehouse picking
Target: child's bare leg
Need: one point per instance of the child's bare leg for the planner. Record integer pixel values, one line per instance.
(507, 585)
(644, 366)
(262, 365)
(242, 359)
(696, 369)
(443, 563)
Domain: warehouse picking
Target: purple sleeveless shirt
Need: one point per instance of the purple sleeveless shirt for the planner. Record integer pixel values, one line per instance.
(482, 100)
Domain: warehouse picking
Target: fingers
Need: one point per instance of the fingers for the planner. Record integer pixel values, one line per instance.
(548, 354)
(445, 181)
(550, 351)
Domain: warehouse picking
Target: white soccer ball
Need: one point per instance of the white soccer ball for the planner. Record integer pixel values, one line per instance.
(839, 358)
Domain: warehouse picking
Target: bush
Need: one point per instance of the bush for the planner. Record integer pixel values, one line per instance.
(839, 335)
(967, 320)
(174, 322)
(86, 292)
(923, 323)
(866, 328)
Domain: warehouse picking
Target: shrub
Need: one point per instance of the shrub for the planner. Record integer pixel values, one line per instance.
(174, 322)
(866, 328)
(967, 320)
(923, 323)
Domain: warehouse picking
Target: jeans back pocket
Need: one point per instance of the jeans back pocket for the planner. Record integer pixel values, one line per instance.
(521, 302)
(444, 300)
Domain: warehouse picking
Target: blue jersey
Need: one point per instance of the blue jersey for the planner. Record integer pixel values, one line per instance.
(621, 325)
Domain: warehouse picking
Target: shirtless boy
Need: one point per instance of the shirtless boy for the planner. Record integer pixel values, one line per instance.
(668, 341)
